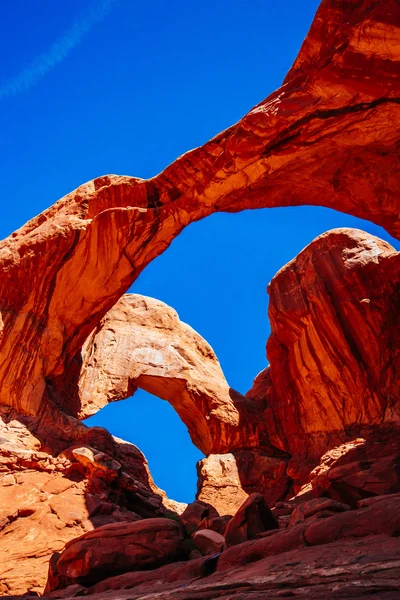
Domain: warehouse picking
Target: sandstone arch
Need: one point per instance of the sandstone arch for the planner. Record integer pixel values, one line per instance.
(333, 374)
(328, 136)
(141, 343)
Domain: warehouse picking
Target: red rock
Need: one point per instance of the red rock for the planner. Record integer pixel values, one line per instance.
(329, 136)
(219, 483)
(379, 518)
(252, 518)
(359, 469)
(46, 501)
(176, 572)
(98, 462)
(334, 122)
(226, 480)
(117, 548)
(209, 541)
(336, 571)
(317, 507)
(253, 550)
(374, 499)
(195, 513)
(217, 524)
(168, 359)
(334, 359)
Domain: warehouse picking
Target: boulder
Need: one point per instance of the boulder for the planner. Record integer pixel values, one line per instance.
(209, 542)
(116, 548)
(195, 513)
(252, 518)
(217, 524)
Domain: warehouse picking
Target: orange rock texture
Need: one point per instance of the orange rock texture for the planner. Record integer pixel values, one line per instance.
(334, 346)
(328, 136)
(317, 557)
(141, 343)
(49, 498)
(321, 420)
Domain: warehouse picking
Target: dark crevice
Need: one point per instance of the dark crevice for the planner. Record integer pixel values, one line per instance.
(288, 136)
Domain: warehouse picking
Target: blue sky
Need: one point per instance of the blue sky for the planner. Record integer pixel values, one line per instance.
(96, 87)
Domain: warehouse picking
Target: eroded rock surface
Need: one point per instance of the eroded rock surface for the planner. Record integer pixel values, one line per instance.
(321, 420)
(48, 499)
(252, 518)
(117, 548)
(350, 554)
(334, 349)
(110, 481)
(328, 136)
(142, 343)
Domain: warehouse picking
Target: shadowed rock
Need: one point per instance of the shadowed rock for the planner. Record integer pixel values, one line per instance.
(329, 136)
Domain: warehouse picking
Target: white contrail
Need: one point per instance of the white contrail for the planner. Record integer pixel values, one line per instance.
(43, 63)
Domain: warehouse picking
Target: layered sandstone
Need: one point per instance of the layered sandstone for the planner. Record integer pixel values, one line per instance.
(323, 416)
(334, 347)
(344, 554)
(98, 480)
(328, 136)
(48, 499)
(141, 343)
(334, 373)
(117, 548)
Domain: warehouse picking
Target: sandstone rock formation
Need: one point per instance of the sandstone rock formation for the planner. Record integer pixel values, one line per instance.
(117, 548)
(106, 481)
(226, 480)
(334, 368)
(359, 469)
(323, 419)
(334, 373)
(335, 333)
(209, 542)
(325, 557)
(48, 500)
(328, 136)
(142, 343)
(333, 350)
(195, 513)
(252, 518)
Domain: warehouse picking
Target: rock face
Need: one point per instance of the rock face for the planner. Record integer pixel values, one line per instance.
(350, 554)
(196, 513)
(252, 518)
(359, 469)
(116, 548)
(333, 375)
(226, 480)
(209, 542)
(142, 343)
(333, 351)
(328, 136)
(48, 500)
(321, 420)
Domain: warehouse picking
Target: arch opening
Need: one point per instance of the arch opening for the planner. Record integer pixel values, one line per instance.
(224, 262)
(154, 426)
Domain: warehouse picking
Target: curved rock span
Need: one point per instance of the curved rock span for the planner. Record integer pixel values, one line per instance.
(141, 343)
(328, 136)
(333, 374)
(316, 436)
